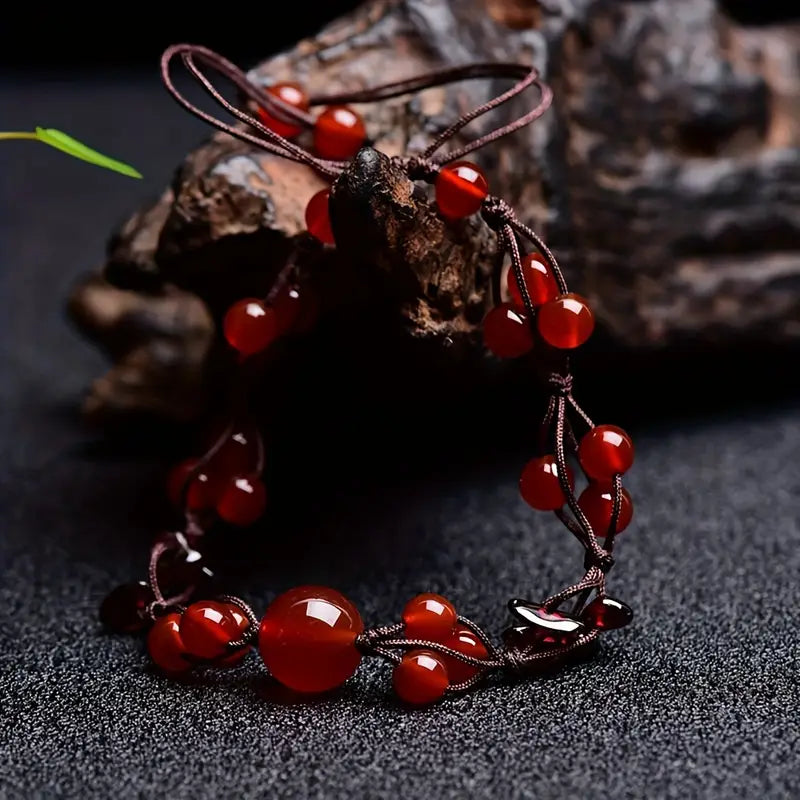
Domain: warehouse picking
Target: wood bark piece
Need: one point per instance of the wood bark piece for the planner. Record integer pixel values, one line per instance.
(666, 178)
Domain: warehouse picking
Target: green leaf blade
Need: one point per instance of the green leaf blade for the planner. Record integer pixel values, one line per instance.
(73, 147)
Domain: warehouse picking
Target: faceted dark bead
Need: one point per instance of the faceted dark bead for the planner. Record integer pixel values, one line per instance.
(606, 613)
(182, 566)
(548, 627)
(123, 609)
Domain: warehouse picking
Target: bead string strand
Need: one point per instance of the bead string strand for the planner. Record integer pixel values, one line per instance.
(312, 638)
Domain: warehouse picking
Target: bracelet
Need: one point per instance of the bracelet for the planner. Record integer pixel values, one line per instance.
(312, 638)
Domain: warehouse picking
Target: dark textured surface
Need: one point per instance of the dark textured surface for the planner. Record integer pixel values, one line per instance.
(698, 699)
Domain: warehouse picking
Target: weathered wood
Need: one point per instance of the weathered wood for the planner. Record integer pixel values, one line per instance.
(666, 177)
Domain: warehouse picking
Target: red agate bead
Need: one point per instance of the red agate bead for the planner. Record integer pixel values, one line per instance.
(206, 628)
(597, 503)
(420, 678)
(318, 218)
(293, 95)
(461, 188)
(123, 609)
(165, 646)
(539, 280)
(243, 501)
(605, 451)
(196, 495)
(429, 616)
(507, 332)
(296, 309)
(307, 638)
(540, 486)
(242, 624)
(606, 613)
(339, 133)
(249, 326)
(566, 322)
(464, 641)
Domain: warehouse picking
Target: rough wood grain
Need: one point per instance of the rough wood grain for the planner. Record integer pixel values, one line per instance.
(666, 177)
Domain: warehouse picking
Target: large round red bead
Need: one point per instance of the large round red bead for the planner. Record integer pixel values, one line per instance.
(566, 322)
(339, 133)
(605, 451)
(429, 616)
(206, 628)
(318, 218)
(293, 95)
(461, 188)
(307, 638)
(539, 280)
(420, 678)
(597, 503)
(540, 486)
(507, 332)
(249, 326)
(243, 501)
(165, 645)
(466, 642)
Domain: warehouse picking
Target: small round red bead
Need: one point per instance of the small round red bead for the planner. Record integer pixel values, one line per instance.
(429, 616)
(318, 218)
(461, 188)
(566, 322)
(197, 495)
(507, 332)
(420, 678)
(540, 486)
(243, 501)
(466, 642)
(606, 613)
(605, 451)
(242, 624)
(206, 628)
(597, 503)
(296, 310)
(123, 609)
(165, 646)
(539, 280)
(307, 639)
(339, 133)
(249, 326)
(293, 95)
(238, 455)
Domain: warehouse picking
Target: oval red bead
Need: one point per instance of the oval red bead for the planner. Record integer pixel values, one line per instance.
(429, 616)
(461, 188)
(249, 326)
(196, 496)
(566, 322)
(243, 501)
(307, 638)
(597, 503)
(507, 332)
(420, 678)
(606, 613)
(540, 486)
(605, 451)
(123, 609)
(464, 641)
(339, 133)
(206, 628)
(539, 280)
(165, 646)
(293, 95)
(318, 218)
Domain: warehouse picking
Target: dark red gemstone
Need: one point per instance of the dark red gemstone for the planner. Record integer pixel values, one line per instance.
(243, 502)
(461, 188)
(463, 641)
(540, 486)
(123, 609)
(293, 95)
(296, 309)
(307, 639)
(550, 628)
(165, 645)
(182, 567)
(597, 503)
(188, 486)
(430, 617)
(539, 280)
(566, 322)
(339, 133)
(420, 678)
(507, 332)
(605, 451)
(606, 613)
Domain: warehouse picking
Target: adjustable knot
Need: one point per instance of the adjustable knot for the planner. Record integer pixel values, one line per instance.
(559, 384)
(512, 660)
(496, 212)
(599, 558)
(417, 168)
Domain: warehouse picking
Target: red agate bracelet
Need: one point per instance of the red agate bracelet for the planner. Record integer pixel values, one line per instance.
(312, 638)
